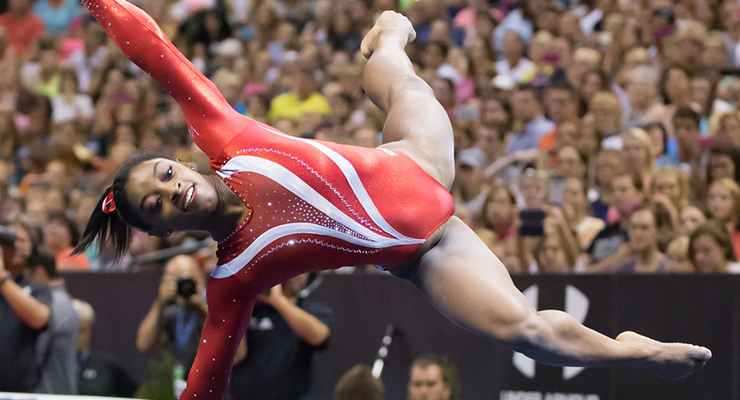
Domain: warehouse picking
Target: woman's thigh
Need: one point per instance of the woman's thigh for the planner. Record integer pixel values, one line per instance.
(469, 284)
(418, 126)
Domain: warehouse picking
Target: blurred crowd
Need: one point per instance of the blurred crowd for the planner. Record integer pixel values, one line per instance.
(591, 136)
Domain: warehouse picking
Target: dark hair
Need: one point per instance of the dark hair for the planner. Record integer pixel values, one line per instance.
(664, 133)
(449, 370)
(561, 84)
(359, 384)
(687, 113)
(115, 227)
(718, 233)
(729, 150)
(43, 260)
(489, 199)
(664, 80)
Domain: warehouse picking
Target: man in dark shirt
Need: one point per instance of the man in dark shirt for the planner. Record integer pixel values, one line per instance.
(99, 375)
(283, 333)
(24, 312)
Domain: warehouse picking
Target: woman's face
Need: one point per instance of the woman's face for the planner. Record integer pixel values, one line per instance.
(634, 153)
(570, 164)
(573, 194)
(676, 85)
(720, 202)
(721, 167)
(552, 257)
(708, 255)
(159, 191)
(535, 191)
(668, 185)
(691, 218)
(500, 212)
(606, 168)
(731, 128)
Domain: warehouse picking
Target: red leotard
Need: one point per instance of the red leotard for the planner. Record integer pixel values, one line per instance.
(313, 205)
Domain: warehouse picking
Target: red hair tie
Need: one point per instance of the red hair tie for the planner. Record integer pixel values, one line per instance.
(108, 205)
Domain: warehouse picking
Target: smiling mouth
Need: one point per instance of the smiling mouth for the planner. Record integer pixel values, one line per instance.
(189, 197)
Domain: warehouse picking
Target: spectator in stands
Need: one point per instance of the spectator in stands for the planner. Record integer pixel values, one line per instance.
(710, 250)
(561, 105)
(57, 345)
(686, 124)
(641, 254)
(626, 195)
(677, 257)
(607, 166)
(723, 203)
(513, 65)
(23, 28)
(469, 190)
(359, 384)
(176, 317)
(691, 217)
(527, 113)
(24, 317)
(59, 235)
(99, 375)
(432, 378)
(70, 105)
(284, 332)
(724, 162)
(672, 183)
(637, 153)
(550, 255)
(56, 14)
(575, 206)
(302, 99)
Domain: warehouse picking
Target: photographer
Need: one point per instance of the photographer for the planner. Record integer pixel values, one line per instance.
(176, 318)
(284, 332)
(24, 312)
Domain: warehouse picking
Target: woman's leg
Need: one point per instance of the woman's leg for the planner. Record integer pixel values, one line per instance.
(469, 284)
(144, 43)
(416, 123)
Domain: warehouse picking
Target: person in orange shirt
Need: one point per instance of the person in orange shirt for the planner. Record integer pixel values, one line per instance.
(561, 104)
(23, 27)
(59, 235)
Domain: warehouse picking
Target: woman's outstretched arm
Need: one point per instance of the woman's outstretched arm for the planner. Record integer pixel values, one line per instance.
(230, 306)
(208, 114)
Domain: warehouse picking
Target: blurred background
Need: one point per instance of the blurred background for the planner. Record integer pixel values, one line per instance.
(597, 151)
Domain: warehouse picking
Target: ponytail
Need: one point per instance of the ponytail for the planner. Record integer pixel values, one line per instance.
(114, 225)
(105, 228)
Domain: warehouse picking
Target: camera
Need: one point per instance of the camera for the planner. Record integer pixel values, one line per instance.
(186, 287)
(7, 235)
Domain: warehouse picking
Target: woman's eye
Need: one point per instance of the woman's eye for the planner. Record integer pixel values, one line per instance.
(169, 174)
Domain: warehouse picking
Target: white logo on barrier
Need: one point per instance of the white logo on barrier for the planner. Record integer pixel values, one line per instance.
(576, 304)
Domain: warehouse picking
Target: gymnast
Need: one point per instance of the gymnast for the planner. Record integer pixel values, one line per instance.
(280, 206)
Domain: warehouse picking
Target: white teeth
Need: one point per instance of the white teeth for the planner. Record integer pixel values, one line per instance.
(189, 197)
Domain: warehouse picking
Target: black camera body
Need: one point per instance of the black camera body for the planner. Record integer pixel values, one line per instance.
(186, 287)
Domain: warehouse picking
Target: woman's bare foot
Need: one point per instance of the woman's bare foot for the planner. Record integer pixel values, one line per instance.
(669, 360)
(388, 22)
